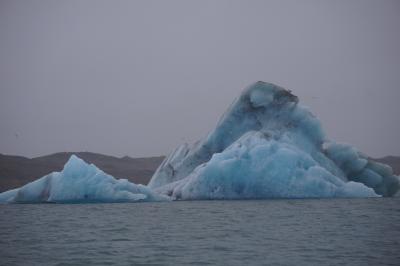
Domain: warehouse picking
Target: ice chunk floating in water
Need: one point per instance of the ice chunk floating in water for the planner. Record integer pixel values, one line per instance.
(80, 182)
(268, 146)
(265, 146)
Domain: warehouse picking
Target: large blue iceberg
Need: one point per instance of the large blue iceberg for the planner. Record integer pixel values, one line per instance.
(269, 146)
(265, 146)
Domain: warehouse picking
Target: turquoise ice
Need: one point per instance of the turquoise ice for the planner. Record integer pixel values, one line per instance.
(267, 145)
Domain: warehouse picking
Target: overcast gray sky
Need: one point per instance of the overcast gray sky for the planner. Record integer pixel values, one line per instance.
(138, 78)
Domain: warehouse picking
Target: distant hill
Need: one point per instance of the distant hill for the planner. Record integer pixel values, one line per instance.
(16, 171)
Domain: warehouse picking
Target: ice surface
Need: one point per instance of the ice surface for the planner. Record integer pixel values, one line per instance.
(256, 166)
(80, 182)
(268, 146)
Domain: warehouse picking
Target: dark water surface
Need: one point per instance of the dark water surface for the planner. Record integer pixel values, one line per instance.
(265, 232)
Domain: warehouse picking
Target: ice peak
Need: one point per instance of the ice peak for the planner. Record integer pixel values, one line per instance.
(76, 167)
(74, 161)
(262, 94)
(263, 107)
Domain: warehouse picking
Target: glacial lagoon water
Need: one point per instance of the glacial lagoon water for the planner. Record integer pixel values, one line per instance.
(262, 232)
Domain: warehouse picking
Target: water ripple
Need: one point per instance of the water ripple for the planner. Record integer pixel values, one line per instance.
(273, 232)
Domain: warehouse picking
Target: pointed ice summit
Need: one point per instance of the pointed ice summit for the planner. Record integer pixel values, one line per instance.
(269, 146)
(79, 182)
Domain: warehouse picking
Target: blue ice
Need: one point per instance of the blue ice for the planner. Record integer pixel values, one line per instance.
(267, 145)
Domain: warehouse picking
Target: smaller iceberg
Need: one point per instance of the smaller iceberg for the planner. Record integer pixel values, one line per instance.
(79, 182)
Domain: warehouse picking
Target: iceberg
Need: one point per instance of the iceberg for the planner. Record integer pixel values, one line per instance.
(79, 182)
(267, 145)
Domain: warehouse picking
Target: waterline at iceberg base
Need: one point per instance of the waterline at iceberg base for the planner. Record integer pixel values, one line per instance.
(266, 145)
